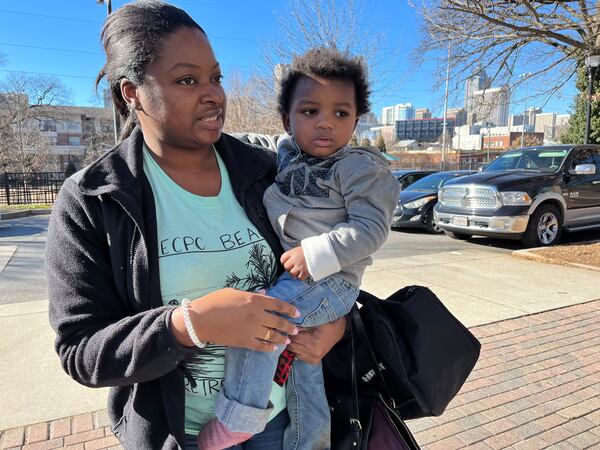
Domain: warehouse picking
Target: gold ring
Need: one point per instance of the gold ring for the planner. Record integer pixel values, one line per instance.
(267, 335)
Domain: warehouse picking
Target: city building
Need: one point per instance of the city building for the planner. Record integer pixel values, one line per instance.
(477, 82)
(400, 111)
(71, 130)
(428, 130)
(515, 120)
(531, 114)
(546, 123)
(386, 131)
(458, 115)
(562, 119)
(364, 125)
(510, 140)
(491, 106)
(422, 113)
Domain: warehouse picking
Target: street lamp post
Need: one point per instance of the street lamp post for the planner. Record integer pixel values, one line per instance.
(114, 108)
(445, 128)
(524, 77)
(489, 137)
(592, 63)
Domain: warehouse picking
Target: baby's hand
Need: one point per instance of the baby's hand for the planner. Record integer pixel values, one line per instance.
(293, 261)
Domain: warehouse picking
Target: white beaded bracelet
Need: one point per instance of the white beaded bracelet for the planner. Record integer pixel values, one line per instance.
(185, 307)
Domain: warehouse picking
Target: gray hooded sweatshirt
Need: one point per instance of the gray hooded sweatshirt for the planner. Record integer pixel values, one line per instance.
(339, 208)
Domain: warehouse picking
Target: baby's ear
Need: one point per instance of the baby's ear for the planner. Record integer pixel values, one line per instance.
(285, 119)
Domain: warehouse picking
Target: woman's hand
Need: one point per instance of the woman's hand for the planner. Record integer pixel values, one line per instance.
(236, 318)
(312, 344)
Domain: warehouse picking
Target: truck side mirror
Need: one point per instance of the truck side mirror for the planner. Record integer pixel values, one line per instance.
(583, 169)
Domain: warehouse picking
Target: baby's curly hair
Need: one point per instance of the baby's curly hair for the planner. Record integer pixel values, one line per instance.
(327, 63)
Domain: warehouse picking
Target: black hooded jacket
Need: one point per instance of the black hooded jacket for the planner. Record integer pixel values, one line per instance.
(104, 289)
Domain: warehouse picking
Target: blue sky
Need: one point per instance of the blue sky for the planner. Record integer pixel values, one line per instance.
(61, 38)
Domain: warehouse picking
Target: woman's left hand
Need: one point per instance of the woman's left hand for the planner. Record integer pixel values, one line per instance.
(312, 344)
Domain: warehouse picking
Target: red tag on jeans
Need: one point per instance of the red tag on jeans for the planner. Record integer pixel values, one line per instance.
(283, 367)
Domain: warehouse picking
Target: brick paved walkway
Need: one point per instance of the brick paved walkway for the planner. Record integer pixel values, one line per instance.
(536, 386)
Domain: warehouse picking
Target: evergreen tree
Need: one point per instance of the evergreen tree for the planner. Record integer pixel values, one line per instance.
(366, 142)
(576, 128)
(381, 144)
(70, 169)
(353, 141)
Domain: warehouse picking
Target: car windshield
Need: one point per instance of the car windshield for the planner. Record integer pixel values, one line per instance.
(431, 182)
(545, 159)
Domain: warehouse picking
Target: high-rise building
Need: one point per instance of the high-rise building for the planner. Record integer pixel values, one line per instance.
(546, 123)
(562, 119)
(491, 105)
(458, 115)
(404, 111)
(531, 114)
(422, 113)
(477, 82)
(400, 111)
(387, 115)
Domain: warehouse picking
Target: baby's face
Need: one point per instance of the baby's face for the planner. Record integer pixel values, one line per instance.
(322, 115)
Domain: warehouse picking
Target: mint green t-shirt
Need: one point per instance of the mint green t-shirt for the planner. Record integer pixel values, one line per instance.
(205, 244)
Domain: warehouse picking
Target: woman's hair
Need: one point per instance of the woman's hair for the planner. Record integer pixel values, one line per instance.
(132, 38)
(327, 63)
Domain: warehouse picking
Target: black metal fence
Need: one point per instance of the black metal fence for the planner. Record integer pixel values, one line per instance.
(27, 188)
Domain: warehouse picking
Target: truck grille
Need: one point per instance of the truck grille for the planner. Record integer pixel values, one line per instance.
(471, 197)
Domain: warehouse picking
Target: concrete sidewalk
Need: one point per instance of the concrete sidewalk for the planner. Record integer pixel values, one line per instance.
(536, 386)
(479, 287)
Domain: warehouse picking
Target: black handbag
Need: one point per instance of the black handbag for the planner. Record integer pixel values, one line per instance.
(421, 354)
(368, 420)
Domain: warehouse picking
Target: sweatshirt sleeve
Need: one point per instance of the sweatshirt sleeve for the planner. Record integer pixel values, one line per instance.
(370, 194)
(100, 339)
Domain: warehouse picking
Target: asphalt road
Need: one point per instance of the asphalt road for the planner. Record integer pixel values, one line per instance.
(24, 280)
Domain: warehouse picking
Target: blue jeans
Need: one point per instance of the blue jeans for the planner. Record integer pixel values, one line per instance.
(270, 439)
(243, 403)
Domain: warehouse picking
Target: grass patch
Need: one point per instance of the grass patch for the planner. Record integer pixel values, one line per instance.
(32, 206)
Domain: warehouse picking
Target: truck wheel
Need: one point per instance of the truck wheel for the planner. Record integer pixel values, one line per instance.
(431, 226)
(460, 236)
(544, 227)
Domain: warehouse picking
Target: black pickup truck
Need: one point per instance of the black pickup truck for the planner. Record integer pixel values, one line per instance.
(531, 194)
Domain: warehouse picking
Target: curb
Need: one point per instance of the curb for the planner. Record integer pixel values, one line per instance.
(20, 214)
(531, 254)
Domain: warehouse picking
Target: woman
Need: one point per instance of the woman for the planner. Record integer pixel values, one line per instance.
(173, 212)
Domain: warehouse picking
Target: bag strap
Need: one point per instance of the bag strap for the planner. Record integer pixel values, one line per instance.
(362, 333)
(355, 425)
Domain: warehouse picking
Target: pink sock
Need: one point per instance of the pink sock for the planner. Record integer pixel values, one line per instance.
(216, 436)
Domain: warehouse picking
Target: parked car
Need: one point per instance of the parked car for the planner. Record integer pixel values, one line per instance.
(532, 194)
(408, 177)
(416, 202)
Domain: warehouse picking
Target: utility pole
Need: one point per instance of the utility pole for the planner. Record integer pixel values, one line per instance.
(445, 127)
(524, 76)
(592, 63)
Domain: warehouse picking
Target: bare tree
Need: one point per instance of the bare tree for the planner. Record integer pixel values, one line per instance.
(548, 38)
(97, 140)
(25, 103)
(328, 23)
(251, 107)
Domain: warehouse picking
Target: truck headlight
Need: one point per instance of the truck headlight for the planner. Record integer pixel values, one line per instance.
(418, 203)
(515, 198)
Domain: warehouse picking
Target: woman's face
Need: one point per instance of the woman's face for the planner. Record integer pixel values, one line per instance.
(182, 102)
